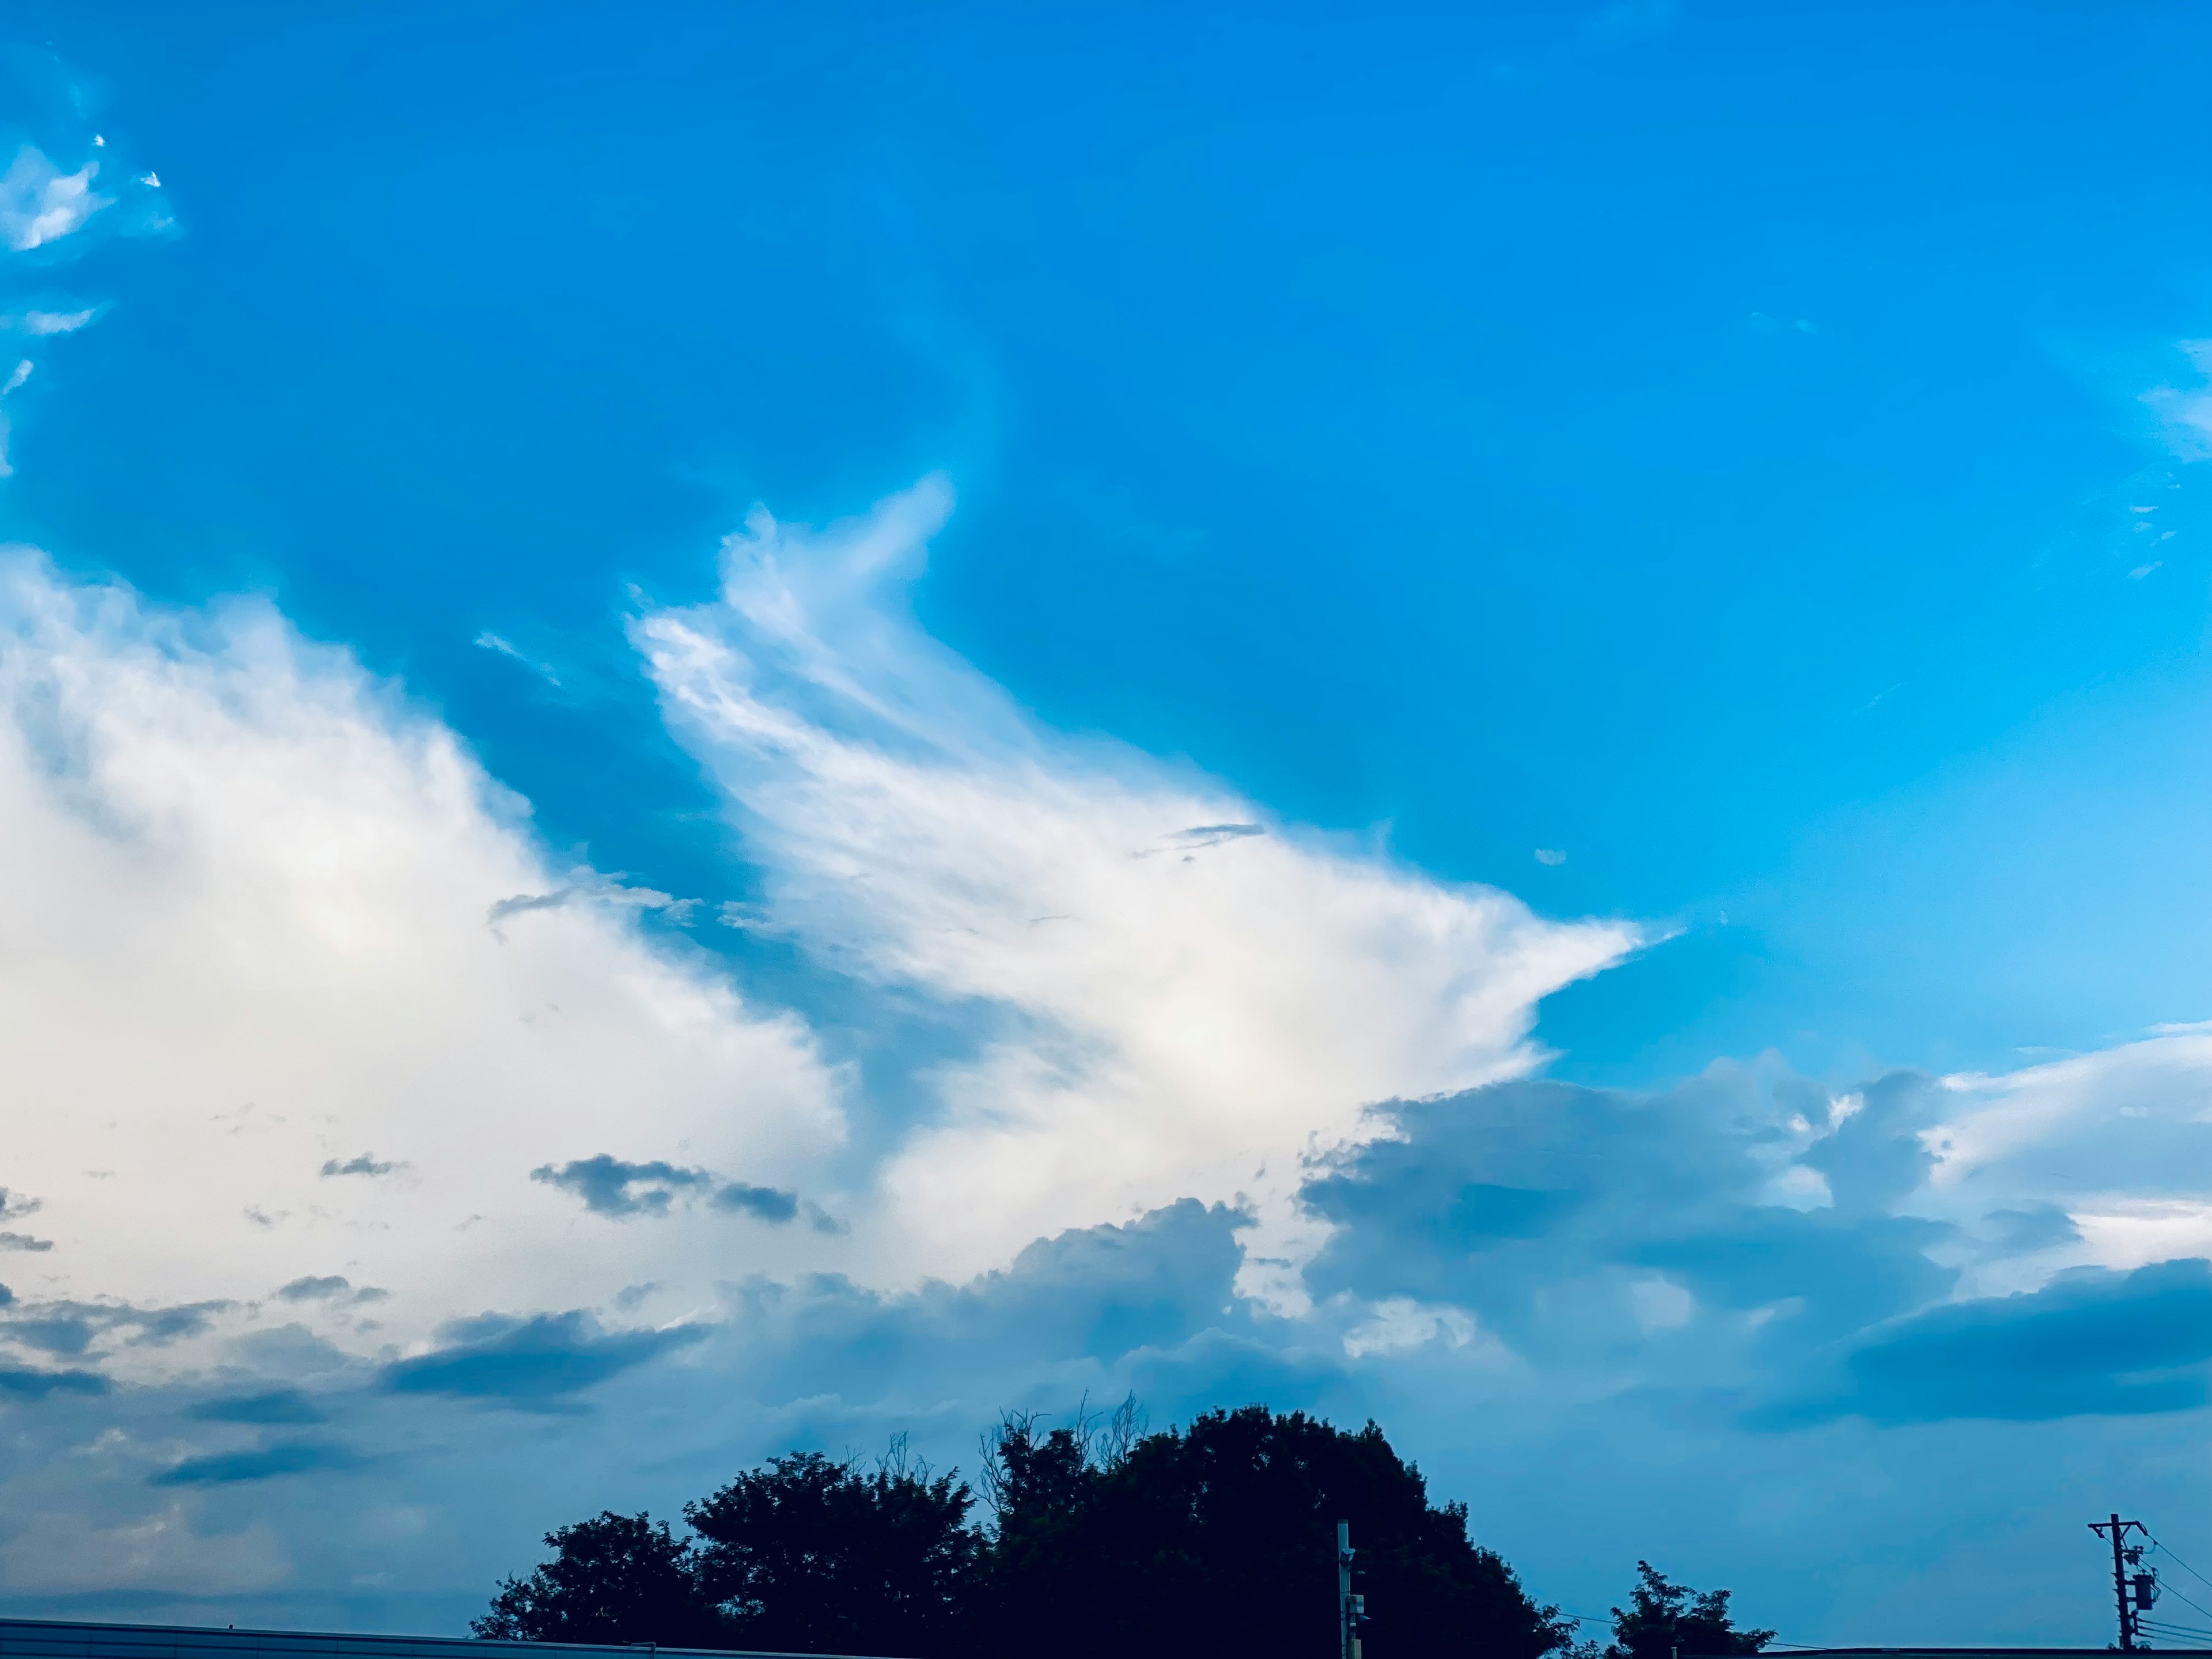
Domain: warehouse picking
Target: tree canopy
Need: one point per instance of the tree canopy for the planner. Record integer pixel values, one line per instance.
(1094, 1538)
(1665, 1619)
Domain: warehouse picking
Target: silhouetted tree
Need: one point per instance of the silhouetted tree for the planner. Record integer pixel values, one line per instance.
(1665, 1619)
(1220, 1539)
(808, 1555)
(617, 1579)
(1217, 1539)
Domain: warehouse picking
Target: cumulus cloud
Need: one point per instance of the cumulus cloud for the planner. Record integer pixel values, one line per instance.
(246, 941)
(1806, 1253)
(2091, 1341)
(2118, 1142)
(1168, 996)
(1579, 1224)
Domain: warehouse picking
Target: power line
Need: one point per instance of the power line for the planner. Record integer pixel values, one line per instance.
(2177, 1624)
(2170, 1590)
(2163, 1631)
(2173, 1623)
(2157, 1545)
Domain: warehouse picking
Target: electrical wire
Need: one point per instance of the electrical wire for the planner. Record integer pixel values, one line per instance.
(2157, 1545)
(2168, 1589)
(2159, 1624)
(2167, 1633)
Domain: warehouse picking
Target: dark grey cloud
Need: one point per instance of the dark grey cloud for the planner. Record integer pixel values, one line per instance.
(24, 1383)
(24, 1241)
(2025, 1231)
(1522, 1200)
(605, 889)
(1542, 1207)
(768, 1203)
(1150, 1302)
(313, 1289)
(2091, 1341)
(611, 1187)
(329, 1287)
(266, 1463)
(531, 1362)
(522, 904)
(15, 1206)
(272, 1407)
(66, 1328)
(365, 1164)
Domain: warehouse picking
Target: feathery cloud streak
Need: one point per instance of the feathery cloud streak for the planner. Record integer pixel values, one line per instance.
(1163, 1009)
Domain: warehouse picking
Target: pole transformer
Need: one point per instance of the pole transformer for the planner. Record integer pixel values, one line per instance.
(2125, 1555)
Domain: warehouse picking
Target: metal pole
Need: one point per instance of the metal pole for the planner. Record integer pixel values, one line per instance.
(1345, 1635)
(2120, 1590)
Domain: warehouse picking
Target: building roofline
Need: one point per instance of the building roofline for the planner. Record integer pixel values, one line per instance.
(102, 1635)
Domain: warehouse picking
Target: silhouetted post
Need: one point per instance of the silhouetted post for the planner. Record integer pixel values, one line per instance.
(1347, 1604)
(2121, 1557)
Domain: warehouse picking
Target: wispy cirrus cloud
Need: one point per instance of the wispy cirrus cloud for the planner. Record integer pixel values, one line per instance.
(2187, 410)
(1168, 995)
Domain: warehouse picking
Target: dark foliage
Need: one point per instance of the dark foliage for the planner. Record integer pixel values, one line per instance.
(1665, 1619)
(811, 1556)
(618, 1578)
(1104, 1540)
(1220, 1539)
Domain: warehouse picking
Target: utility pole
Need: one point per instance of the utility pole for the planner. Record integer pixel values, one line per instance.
(1351, 1610)
(2125, 1555)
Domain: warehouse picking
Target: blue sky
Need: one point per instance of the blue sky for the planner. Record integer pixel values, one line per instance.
(1490, 715)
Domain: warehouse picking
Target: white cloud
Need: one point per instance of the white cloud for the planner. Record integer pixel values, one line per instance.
(243, 932)
(41, 205)
(13, 383)
(1398, 1324)
(2117, 1138)
(52, 322)
(1169, 1009)
(500, 646)
(2188, 411)
(1661, 1304)
(64, 1552)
